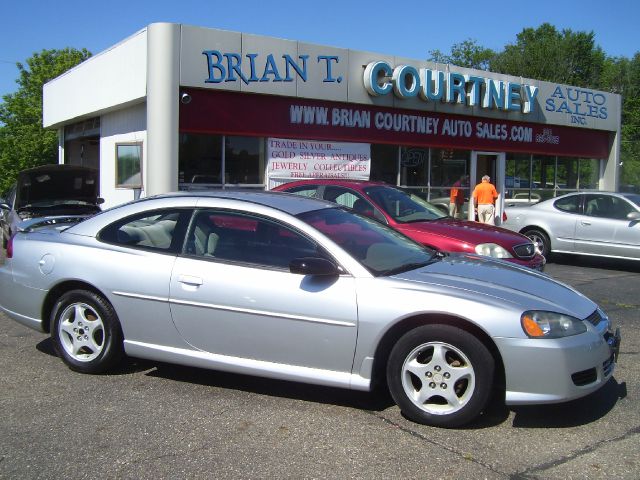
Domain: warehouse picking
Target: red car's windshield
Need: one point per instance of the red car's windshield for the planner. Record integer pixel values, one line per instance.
(381, 250)
(403, 207)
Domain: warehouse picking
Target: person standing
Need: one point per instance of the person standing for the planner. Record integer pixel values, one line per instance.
(484, 198)
(456, 197)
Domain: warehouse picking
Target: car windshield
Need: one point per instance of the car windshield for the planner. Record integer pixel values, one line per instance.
(635, 198)
(379, 249)
(404, 207)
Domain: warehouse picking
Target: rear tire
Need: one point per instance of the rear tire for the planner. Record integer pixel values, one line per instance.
(440, 375)
(86, 332)
(539, 239)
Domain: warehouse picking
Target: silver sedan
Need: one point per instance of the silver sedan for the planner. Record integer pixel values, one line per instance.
(293, 288)
(601, 224)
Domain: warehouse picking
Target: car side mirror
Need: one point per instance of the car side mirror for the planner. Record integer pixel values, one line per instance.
(313, 266)
(4, 206)
(99, 201)
(633, 216)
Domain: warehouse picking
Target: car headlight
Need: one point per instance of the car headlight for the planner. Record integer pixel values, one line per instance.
(539, 324)
(492, 250)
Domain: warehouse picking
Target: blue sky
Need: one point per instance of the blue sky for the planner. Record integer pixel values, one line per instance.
(409, 28)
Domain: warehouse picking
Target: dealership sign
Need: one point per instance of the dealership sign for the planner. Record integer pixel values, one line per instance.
(232, 61)
(333, 124)
(290, 158)
(406, 81)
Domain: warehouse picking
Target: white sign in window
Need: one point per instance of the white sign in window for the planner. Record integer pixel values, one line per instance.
(299, 159)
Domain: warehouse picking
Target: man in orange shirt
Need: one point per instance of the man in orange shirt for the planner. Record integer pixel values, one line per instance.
(484, 198)
(456, 197)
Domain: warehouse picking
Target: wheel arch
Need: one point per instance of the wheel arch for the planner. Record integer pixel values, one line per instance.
(56, 292)
(383, 350)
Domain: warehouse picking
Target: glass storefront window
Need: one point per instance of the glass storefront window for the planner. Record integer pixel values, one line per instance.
(414, 166)
(543, 171)
(518, 178)
(384, 163)
(203, 162)
(567, 173)
(589, 173)
(200, 159)
(448, 166)
(243, 163)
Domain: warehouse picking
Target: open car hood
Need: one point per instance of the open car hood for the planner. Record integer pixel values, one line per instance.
(57, 185)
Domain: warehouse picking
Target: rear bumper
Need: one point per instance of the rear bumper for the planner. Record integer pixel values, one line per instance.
(20, 303)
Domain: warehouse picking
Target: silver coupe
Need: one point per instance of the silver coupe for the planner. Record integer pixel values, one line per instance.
(602, 224)
(294, 288)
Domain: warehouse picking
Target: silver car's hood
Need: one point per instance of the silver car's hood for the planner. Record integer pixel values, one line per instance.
(496, 280)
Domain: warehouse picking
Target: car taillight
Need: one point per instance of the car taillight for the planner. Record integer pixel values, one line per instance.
(10, 247)
(504, 216)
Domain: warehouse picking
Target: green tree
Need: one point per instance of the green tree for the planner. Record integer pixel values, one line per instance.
(544, 53)
(466, 54)
(23, 141)
(622, 76)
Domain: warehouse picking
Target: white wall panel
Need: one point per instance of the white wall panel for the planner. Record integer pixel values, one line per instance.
(104, 82)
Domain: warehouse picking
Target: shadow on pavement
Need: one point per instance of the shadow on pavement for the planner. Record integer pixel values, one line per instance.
(376, 401)
(571, 414)
(595, 262)
(126, 367)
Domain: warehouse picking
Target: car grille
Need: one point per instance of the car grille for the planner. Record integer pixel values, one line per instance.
(526, 250)
(595, 318)
(584, 377)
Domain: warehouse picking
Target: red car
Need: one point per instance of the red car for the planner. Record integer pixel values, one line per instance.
(420, 220)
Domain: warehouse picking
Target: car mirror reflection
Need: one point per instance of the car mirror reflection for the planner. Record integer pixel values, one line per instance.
(313, 266)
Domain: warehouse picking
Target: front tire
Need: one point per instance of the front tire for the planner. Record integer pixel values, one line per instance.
(86, 332)
(440, 375)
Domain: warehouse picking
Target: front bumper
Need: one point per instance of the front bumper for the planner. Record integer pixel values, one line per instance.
(557, 370)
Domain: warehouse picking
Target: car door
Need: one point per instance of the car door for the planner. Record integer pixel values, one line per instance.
(562, 221)
(604, 229)
(232, 295)
(138, 268)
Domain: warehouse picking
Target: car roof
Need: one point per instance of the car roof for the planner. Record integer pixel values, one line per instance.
(286, 202)
(356, 184)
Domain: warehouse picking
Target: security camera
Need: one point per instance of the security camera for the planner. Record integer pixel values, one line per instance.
(185, 98)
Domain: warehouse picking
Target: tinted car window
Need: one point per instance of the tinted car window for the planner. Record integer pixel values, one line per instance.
(305, 191)
(607, 206)
(157, 230)
(569, 204)
(380, 249)
(404, 207)
(353, 200)
(245, 238)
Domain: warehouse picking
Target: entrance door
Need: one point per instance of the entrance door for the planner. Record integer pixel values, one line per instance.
(492, 164)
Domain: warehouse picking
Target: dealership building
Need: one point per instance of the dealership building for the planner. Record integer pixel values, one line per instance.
(177, 107)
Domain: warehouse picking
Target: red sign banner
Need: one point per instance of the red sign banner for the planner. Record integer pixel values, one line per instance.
(234, 113)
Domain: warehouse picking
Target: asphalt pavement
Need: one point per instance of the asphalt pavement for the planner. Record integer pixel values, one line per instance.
(153, 420)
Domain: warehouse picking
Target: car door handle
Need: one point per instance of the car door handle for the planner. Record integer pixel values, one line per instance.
(190, 280)
(585, 223)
